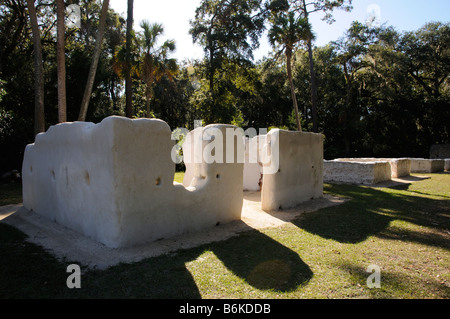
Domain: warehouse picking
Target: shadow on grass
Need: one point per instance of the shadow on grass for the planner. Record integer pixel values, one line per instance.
(370, 212)
(263, 262)
(259, 260)
(28, 271)
(162, 277)
(406, 187)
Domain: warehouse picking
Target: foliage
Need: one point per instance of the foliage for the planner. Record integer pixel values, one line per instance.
(154, 62)
(374, 100)
(229, 31)
(380, 92)
(286, 32)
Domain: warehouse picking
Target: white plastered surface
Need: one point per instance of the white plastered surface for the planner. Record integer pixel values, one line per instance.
(113, 182)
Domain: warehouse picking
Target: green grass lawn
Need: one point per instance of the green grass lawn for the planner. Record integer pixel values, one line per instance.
(325, 254)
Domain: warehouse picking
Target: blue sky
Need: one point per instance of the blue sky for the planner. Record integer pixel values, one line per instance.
(404, 15)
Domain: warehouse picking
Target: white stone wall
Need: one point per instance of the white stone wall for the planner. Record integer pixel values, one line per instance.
(189, 154)
(295, 174)
(113, 181)
(424, 165)
(399, 166)
(357, 172)
(253, 167)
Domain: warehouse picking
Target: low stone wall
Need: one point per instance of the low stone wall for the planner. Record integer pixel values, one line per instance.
(424, 165)
(356, 172)
(399, 166)
(447, 164)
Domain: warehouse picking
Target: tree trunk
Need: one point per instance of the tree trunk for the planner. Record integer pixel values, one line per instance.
(313, 87)
(291, 83)
(128, 80)
(39, 119)
(147, 107)
(312, 74)
(113, 94)
(348, 108)
(94, 64)
(211, 72)
(61, 61)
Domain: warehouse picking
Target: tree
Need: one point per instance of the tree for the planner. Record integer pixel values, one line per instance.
(171, 99)
(17, 71)
(94, 64)
(352, 55)
(352, 50)
(128, 79)
(264, 86)
(286, 32)
(429, 52)
(155, 63)
(229, 31)
(39, 120)
(307, 8)
(61, 61)
(13, 27)
(427, 64)
(114, 37)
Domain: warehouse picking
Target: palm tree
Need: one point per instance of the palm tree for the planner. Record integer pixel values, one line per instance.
(154, 63)
(285, 34)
